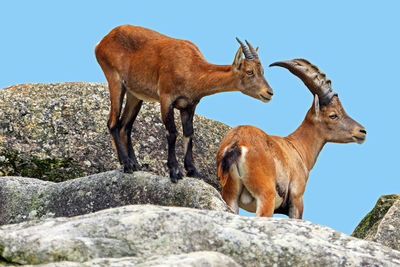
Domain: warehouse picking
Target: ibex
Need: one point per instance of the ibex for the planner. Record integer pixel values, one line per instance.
(267, 174)
(145, 65)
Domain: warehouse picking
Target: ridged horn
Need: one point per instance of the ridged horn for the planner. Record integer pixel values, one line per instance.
(246, 51)
(312, 77)
(252, 50)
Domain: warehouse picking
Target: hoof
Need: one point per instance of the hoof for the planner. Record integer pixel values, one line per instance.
(175, 175)
(130, 167)
(128, 170)
(194, 173)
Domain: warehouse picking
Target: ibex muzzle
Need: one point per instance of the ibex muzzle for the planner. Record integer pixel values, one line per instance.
(252, 81)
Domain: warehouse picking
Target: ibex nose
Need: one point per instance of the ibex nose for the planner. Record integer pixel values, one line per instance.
(270, 93)
(360, 135)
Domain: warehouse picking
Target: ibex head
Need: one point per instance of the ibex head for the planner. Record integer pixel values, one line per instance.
(250, 73)
(327, 113)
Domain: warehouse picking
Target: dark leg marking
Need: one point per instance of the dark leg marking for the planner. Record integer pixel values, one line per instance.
(172, 163)
(187, 125)
(128, 131)
(114, 129)
(115, 134)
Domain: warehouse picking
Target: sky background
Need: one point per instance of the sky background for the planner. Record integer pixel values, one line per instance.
(356, 43)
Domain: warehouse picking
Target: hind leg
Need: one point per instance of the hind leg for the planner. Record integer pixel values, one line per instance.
(231, 193)
(117, 93)
(131, 110)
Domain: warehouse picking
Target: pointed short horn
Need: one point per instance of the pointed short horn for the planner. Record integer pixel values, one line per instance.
(252, 50)
(246, 51)
(312, 77)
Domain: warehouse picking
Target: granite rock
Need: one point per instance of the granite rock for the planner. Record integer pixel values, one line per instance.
(27, 198)
(58, 131)
(145, 231)
(382, 223)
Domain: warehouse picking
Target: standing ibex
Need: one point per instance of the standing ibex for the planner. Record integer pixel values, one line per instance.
(146, 65)
(263, 173)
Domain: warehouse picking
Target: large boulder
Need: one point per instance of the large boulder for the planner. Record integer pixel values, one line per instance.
(27, 199)
(58, 131)
(193, 259)
(382, 223)
(145, 231)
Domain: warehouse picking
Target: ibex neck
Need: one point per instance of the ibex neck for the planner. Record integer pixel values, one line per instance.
(215, 79)
(308, 143)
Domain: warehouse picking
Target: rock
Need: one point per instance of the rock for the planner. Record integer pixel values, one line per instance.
(27, 199)
(382, 223)
(194, 259)
(145, 231)
(58, 131)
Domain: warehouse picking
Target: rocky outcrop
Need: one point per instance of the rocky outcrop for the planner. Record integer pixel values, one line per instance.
(382, 223)
(143, 231)
(27, 199)
(194, 259)
(58, 131)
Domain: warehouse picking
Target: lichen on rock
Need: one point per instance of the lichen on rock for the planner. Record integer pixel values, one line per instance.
(146, 231)
(47, 126)
(382, 223)
(372, 219)
(24, 199)
(47, 169)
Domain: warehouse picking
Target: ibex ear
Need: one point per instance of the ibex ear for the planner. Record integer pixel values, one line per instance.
(238, 58)
(315, 107)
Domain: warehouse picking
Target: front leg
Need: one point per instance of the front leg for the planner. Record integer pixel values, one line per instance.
(187, 125)
(296, 207)
(167, 114)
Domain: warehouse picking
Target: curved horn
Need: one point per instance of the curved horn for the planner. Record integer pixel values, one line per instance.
(252, 50)
(246, 51)
(312, 77)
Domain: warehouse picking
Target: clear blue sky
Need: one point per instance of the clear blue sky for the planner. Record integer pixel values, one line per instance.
(355, 42)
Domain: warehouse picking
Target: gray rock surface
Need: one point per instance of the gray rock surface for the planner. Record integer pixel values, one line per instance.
(387, 230)
(26, 198)
(58, 131)
(194, 259)
(382, 223)
(143, 231)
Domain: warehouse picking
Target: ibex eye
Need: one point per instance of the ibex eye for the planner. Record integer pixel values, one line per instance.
(333, 116)
(249, 72)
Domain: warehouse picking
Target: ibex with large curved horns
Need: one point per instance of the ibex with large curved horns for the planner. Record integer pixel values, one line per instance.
(266, 174)
(146, 65)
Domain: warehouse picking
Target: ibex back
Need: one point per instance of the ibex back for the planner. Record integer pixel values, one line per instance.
(266, 174)
(145, 65)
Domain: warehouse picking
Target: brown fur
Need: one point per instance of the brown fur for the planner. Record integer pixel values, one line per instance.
(283, 163)
(146, 65)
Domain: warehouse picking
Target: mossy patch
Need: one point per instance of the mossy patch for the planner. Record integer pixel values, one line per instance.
(375, 215)
(4, 261)
(14, 163)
